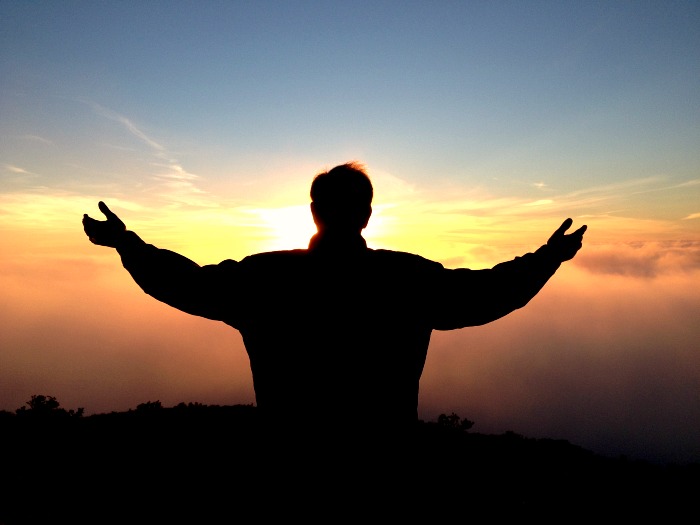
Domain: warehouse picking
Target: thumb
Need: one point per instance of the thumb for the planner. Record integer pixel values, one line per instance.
(107, 212)
(111, 216)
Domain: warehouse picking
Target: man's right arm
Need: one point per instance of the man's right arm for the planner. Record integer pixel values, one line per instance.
(467, 297)
(164, 274)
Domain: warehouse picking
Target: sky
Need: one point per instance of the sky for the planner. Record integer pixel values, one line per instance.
(483, 125)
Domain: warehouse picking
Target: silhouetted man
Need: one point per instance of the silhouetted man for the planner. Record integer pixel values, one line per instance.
(337, 334)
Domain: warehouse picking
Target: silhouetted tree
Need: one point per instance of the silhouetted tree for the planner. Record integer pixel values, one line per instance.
(454, 421)
(149, 406)
(41, 405)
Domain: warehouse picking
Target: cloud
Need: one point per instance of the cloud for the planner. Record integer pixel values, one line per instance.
(77, 328)
(621, 195)
(179, 173)
(692, 216)
(620, 187)
(686, 184)
(587, 200)
(540, 202)
(37, 138)
(174, 183)
(606, 361)
(16, 169)
(641, 260)
(128, 124)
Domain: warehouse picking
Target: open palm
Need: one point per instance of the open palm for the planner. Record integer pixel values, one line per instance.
(104, 233)
(565, 245)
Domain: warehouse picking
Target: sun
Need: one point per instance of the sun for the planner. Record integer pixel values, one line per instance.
(288, 227)
(291, 227)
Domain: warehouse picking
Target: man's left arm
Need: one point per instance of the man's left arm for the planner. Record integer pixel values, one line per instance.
(477, 297)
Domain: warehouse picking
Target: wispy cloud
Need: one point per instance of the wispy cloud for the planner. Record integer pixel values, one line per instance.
(540, 202)
(16, 169)
(666, 187)
(694, 182)
(128, 124)
(601, 201)
(692, 216)
(617, 188)
(176, 184)
(37, 138)
(586, 200)
(178, 172)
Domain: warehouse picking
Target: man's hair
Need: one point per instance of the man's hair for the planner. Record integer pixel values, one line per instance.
(345, 183)
(342, 196)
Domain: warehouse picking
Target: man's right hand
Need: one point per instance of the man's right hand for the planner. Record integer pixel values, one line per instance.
(105, 233)
(566, 245)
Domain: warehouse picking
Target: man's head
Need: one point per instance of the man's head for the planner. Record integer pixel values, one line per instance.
(341, 199)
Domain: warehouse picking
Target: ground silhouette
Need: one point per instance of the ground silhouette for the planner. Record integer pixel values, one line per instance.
(196, 463)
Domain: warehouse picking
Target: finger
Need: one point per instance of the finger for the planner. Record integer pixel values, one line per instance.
(107, 212)
(88, 225)
(564, 226)
(87, 221)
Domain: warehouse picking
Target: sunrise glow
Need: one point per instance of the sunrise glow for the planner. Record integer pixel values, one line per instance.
(482, 126)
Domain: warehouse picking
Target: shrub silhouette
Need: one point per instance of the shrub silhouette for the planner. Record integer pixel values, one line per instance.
(454, 421)
(149, 406)
(47, 406)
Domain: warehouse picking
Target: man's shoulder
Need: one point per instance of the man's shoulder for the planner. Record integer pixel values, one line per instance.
(278, 253)
(403, 258)
(274, 257)
(381, 257)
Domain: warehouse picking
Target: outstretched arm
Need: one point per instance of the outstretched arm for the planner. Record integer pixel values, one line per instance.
(164, 274)
(487, 295)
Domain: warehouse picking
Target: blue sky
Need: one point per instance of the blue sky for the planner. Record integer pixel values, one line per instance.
(566, 94)
(483, 125)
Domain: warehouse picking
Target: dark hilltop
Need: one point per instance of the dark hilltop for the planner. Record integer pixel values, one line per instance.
(196, 463)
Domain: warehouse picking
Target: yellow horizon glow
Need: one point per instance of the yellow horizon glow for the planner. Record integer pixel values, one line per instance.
(457, 228)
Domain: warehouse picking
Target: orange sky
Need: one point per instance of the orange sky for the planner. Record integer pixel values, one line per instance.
(606, 355)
